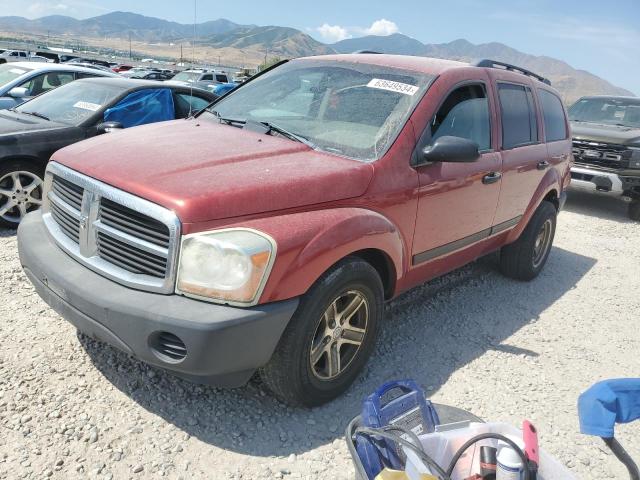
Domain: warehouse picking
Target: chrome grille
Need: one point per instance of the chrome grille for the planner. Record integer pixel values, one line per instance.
(607, 156)
(120, 236)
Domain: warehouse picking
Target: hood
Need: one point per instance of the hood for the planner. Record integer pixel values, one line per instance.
(206, 171)
(12, 124)
(597, 132)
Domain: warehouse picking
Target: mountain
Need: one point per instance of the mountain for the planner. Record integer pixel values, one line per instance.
(279, 41)
(396, 44)
(249, 44)
(116, 24)
(570, 82)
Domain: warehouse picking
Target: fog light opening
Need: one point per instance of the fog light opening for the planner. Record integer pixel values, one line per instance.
(167, 347)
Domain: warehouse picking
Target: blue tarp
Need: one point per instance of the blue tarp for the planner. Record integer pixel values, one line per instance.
(142, 107)
(607, 403)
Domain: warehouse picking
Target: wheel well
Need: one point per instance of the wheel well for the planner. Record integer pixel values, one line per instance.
(384, 266)
(41, 164)
(552, 197)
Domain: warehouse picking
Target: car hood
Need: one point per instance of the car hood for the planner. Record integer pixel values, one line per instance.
(12, 124)
(606, 133)
(205, 171)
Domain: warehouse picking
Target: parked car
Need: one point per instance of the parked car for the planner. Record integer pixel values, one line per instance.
(151, 75)
(93, 61)
(30, 133)
(21, 81)
(122, 68)
(91, 66)
(10, 56)
(606, 148)
(267, 233)
(200, 78)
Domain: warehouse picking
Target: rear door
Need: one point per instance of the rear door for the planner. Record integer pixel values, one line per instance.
(524, 154)
(457, 201)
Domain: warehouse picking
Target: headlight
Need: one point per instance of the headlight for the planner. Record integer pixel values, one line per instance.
(228, 266)
(635, 158)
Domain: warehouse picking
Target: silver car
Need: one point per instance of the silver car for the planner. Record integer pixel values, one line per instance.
(22, 81)
(204, 79)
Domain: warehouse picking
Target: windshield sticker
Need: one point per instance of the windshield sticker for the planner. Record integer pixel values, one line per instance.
(94, 107)
(391, 86)
(17, 71)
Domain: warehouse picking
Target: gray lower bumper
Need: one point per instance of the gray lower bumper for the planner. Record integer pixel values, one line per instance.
(225, 345)
(596, 181)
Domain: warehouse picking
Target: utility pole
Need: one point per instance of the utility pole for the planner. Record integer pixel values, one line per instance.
(266, 52)
(130, 56)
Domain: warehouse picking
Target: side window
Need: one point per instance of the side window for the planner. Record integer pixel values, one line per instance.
(222, 79)
(555, 125)
(187, 104)
(207, 78)
(55, 80)
(81, 75)
(465, 114)
(23, 54)
(519, 124)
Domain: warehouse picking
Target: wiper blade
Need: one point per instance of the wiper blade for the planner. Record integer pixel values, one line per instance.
(36, 114)
(290, 135)
(228, 121)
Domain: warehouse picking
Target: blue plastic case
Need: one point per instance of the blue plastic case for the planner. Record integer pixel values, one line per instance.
(408, 409)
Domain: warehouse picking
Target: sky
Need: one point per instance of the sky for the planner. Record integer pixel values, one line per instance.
(600, 37)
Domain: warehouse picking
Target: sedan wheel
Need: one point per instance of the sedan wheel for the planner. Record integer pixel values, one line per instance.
(20, 193)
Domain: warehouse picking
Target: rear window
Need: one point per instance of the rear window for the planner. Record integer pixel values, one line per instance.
(519, 124)
(555, 125)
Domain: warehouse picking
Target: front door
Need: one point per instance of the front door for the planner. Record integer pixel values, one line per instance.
(457, 201)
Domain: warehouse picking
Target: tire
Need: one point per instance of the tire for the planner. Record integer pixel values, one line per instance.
(17, 198)
(300, 380)
(634, 210)
(525, 258)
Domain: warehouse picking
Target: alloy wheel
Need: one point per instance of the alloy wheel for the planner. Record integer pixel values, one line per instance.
(339, 335)
(542, 243)
(20, 193)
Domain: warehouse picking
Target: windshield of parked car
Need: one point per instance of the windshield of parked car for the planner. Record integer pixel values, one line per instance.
(140, 74)
(349, 109)
(9, 72)
(72, 103)
(187, 76)
(609, 111)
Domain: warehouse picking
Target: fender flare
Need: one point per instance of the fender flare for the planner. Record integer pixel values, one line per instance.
(549, 183)
(312, 242)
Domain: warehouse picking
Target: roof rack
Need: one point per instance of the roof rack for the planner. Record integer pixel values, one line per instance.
(512, 68)
(368, 51)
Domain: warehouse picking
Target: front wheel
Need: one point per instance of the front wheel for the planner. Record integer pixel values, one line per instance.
(525, 258)
(330, 337)
(20, 191)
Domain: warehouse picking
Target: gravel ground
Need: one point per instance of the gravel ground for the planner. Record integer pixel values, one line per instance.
(74, 408)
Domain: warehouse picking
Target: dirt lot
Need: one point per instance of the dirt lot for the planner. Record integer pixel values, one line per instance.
(73, 408)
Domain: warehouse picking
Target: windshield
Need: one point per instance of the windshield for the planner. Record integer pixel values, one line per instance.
(187, 77)
(140, 74)
(10, 72)
(349, 109)
(72, 103)
(608, 111)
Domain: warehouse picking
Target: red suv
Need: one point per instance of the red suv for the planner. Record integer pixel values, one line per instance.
(266, 233)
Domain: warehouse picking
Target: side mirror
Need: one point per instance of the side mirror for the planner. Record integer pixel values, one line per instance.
(18, 92)
(108, 127)
(451, 149)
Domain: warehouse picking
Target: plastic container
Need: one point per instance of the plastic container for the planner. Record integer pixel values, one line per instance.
(444, 443)
(449, 437)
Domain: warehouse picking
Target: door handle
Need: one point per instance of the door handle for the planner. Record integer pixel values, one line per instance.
(543, 165)
(492, 177)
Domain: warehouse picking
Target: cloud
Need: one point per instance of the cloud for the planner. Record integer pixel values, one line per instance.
(335, 33)
(42, 8)
(332, 33)
(383, 28)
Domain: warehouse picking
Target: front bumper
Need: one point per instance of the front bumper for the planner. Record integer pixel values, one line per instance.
(224, 345)
(596, 181)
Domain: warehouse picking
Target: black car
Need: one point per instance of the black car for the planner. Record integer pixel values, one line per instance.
(152, 75)
(32, 132)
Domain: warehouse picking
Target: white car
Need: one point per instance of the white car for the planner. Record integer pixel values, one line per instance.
(23, 80)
